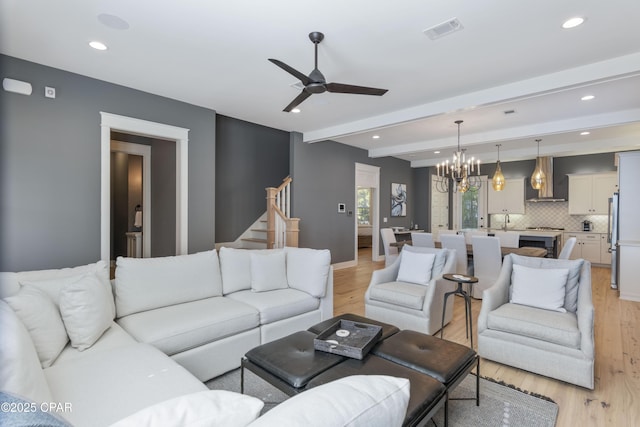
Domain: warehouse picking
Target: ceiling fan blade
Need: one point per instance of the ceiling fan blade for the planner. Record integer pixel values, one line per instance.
(303, 95)
(297, 74)
(358, 90)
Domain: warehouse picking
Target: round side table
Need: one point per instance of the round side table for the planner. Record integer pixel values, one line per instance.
(460, 279)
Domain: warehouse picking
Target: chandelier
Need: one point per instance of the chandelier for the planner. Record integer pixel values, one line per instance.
(538, 177)
(460, 171)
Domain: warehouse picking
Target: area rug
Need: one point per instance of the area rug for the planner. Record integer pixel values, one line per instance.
(500, 405)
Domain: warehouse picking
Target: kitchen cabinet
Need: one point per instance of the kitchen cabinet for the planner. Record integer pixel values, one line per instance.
(589, 194)
(588, 246)
(510, 200)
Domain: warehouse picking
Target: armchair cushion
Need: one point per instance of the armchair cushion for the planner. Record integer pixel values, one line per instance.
(404, 294)
(415, 267)
(574, 266)
(554, 327)
(539, 287)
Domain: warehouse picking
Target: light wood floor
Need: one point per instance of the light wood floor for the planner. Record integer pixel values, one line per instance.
(615, 401)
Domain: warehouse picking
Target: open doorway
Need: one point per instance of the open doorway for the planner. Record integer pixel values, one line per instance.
(130, 199)
(367, 222)
(178, 138)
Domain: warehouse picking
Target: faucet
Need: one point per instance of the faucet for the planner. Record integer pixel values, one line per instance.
(506, 221)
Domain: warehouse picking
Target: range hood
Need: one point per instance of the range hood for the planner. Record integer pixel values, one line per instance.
(545, 194)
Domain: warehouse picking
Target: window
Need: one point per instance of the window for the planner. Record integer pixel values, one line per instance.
(470, 208)
(364, 206)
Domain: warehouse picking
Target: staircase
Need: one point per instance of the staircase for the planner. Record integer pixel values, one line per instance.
(275, 228)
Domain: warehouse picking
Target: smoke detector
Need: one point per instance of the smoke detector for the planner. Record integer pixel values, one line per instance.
(441, 30)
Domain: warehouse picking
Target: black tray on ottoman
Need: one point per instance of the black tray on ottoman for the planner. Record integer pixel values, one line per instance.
(348, 338)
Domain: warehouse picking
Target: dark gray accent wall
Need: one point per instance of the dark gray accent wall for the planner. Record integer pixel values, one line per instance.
(324, 175)
(421, 184)
(249, 158)
(50, 165)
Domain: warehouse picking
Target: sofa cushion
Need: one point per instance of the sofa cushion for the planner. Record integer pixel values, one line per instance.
(404, 294)
(85, 310)
(235, 266)
(554, 327)
(52, 281)
(200, 409)
(268, 271)
(574, 267)
(180, 327)
(539, 287)
(359, 400)
(128, 378)
(147, 283)
(277, 304)
(308, 270)
(415, 267)
(113, 337)
(41, 317)
(20, 370)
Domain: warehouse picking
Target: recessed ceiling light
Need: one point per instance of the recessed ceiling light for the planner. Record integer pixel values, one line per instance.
(587, 98)
(376, 137)
(436, 152)
(295, 110)
(585, 133)
(98, 45)
(572, 22)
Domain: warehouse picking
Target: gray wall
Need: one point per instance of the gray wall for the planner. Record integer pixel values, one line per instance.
(324, 175)
(50, 165)
(249, 158)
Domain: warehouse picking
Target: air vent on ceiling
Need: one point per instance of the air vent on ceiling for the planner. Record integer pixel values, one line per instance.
(440, 30)
(507, 112)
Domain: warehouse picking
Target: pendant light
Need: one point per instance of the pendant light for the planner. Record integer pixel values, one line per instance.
(538, 178)
(498, 182)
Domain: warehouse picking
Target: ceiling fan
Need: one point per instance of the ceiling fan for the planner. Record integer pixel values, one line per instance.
(316, 83)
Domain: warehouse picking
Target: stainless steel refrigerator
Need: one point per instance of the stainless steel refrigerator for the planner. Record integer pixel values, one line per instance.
(612, 237)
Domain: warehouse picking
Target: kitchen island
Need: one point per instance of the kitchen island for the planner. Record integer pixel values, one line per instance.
(551, 240)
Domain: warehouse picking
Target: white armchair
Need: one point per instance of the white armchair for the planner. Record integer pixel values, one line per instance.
(407, 295)
(556, 341)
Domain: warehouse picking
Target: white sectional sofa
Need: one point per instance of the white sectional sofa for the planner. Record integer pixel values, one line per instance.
(102, 351)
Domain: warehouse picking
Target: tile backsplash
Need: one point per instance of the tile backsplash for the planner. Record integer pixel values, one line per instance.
(550, 214)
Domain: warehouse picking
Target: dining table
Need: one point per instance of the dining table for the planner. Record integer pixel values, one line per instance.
(530, 251)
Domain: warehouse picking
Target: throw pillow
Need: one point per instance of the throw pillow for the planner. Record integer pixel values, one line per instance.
(355, 401)
(20, 370)
(539, 287)
(415, 267)
(573, 279)
(42, 319)
(308, 270)
(268, 271)
(84, 305)
(235, 265)
(201, 409)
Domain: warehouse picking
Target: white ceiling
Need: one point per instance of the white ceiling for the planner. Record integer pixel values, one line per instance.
(510, 55)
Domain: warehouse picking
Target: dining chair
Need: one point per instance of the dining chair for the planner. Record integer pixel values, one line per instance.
(390, 252)
(565, 253)
(457, 243)
(487, 262)
(424, 240)
(470, 233)
(508, 239)
(442, 231)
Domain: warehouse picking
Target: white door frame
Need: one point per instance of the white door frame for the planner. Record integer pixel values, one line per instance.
(145, 152)
(369, 176)
(115, 122)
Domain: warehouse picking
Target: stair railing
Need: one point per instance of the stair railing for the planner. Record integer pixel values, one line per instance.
(282, 230)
